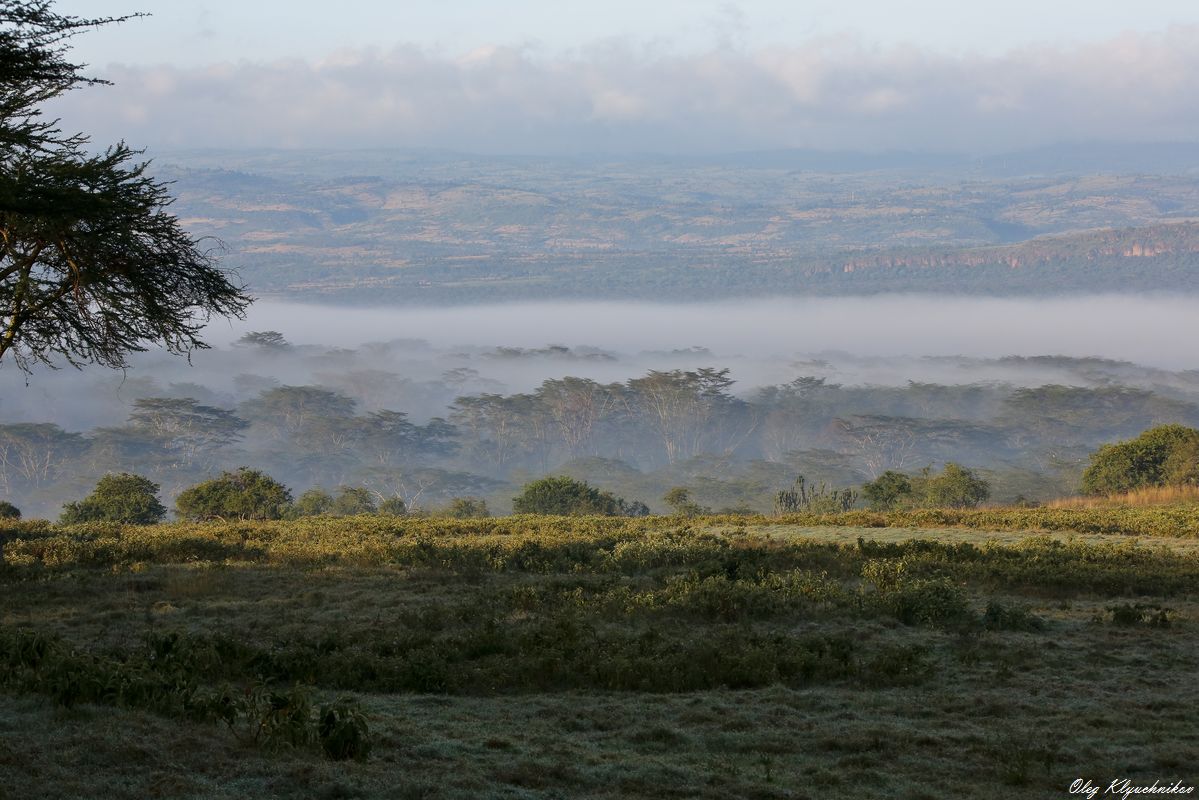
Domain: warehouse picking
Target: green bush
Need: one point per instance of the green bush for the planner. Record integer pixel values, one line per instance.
(312, 503)
(125, 498)
(915, 600)
(352, 500)
(889, 490)
(342, 732)
(348, 502)
(955, 487)
(467, 508)
(563, 496)
(393, 507)
(245, 494)
(9, 511)
(679, 500)
(1002, 617)
(1161, 456)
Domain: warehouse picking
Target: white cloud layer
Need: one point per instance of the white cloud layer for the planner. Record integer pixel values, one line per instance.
(827, 94)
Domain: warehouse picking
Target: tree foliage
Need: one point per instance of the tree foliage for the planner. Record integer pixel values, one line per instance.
(92, 265)
(184, 427)
(241, 494)
(266, 340)
(352, 500)
(467, 508)
(311, 503)
(1161, 456)
(393, 507)
(565, 496)
(679, 500)
(955, 487)
(124, 497)
(9, 511)
(33, 454)
(887, 491)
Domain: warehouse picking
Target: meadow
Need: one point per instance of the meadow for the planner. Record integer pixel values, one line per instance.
(920, 654)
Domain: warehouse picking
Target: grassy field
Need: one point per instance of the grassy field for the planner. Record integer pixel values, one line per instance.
(928, 655)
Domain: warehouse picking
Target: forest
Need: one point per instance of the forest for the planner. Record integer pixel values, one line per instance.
(421, 426)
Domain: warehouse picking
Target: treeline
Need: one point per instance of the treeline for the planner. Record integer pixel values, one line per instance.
(637, 438)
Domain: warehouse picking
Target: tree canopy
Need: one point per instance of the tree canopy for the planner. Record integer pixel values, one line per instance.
(92, 265)
(124, 498)
(954, 487)
(243, 494)
(566, 496)
(1161, 456)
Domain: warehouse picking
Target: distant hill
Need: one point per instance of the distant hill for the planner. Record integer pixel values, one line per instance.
(429, 227)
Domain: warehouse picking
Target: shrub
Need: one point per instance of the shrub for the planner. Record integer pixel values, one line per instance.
(244, 494)
(124, 498)
(1165, 455)
(1128, 614)
(679, 500)
(352, 500)
(311, 503)
(888, 490)
(348, 502)
(167, 677)
(343, 733)
(955, 487)
(467, 508)
(805, 498)
(1001, 617)
(9, 511)
(565, 497)
(634, 508)
(915, 600)
(393, 507)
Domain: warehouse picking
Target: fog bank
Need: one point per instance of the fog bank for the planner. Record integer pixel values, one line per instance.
(1154, 330)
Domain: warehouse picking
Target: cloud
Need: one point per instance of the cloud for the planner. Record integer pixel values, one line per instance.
(833, 93)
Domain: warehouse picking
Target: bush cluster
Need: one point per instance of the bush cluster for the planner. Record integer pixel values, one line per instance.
(168, 676)
(1167, 455)
(955, 487)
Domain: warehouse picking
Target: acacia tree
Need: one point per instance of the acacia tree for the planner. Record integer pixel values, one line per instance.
(126, 498)
(243, 494)
(685, 408)
(92, 265)
(1167, 455)
(564, 496)
(576, 405)
(184, 427)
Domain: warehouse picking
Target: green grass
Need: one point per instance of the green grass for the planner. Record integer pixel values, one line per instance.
(541, 657)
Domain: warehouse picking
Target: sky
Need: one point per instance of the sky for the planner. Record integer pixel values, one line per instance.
(690, 76)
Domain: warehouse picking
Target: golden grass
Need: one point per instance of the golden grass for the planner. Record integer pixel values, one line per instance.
(1149, 496)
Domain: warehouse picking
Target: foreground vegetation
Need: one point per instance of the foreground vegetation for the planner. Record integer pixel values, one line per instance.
(601, 656)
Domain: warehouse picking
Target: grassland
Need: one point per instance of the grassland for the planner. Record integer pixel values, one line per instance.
(922, 655)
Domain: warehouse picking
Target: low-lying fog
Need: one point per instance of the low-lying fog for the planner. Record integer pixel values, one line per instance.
(429, 404)
(1154, 330)
(507, 348)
